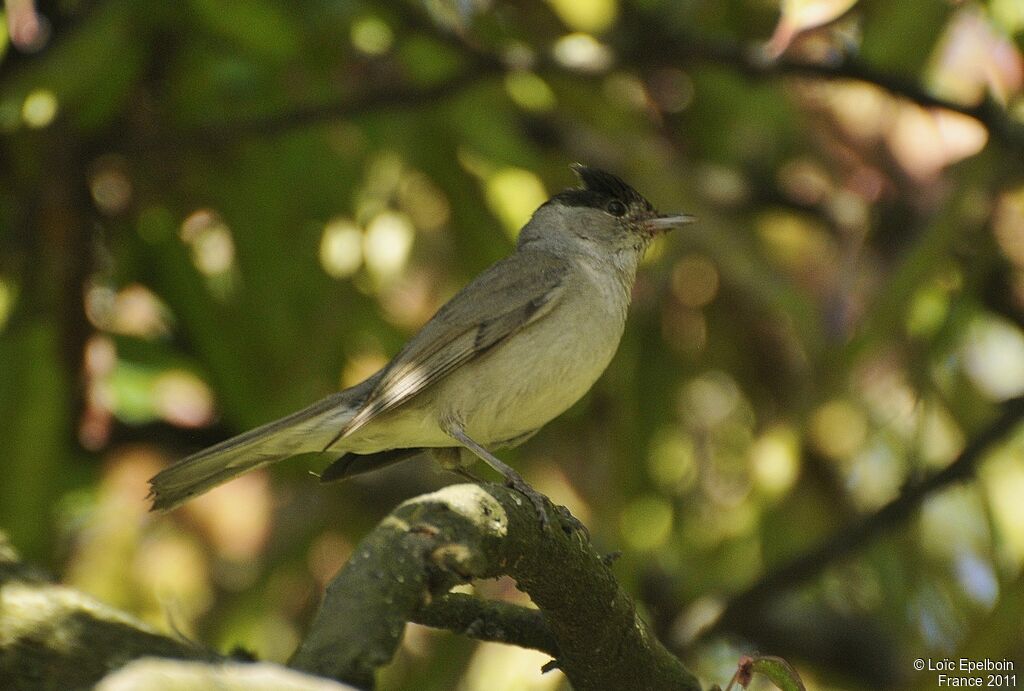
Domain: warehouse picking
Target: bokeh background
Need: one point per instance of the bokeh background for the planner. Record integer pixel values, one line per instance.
(213, 213)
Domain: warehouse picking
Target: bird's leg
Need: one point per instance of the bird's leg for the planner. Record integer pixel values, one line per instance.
(450, 458)
(512, 479)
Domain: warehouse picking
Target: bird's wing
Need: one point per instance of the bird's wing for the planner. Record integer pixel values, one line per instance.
(501, 301)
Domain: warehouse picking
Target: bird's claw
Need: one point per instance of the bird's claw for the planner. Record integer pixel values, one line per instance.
(538, 500)
(570, 523)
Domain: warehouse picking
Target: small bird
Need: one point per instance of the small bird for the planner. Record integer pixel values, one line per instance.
(507, 354)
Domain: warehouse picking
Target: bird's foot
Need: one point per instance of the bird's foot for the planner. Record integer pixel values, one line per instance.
(570, 523)
(515, 481)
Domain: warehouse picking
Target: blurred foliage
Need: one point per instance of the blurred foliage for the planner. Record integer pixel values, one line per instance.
(212, 213)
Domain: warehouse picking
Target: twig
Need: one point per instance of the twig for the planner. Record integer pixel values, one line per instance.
(855, 536)
(488, 620)
(661, 47)
(389, 96)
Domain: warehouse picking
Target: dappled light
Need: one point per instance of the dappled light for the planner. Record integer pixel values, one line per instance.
(594, 16)
(111, 186)
(775, 461)
(371, 35)
(529, 91)
(973, 57)
(39, 109)
(513, 194)
(925, 142)
(341, 248)
(839, 429)
(387, 243)
(238, 536)
(494, 667)
(583, 52)
(1003, 482)
(182, 398)
(808, 442)
(213, 250)
(131, 311)
(994, 358)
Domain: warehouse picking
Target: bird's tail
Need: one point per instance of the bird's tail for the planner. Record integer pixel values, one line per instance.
(300, 432)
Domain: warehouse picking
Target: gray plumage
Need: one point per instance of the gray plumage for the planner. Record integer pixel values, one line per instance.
(509, 352)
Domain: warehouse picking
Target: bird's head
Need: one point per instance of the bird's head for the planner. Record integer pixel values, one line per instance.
(605, 215)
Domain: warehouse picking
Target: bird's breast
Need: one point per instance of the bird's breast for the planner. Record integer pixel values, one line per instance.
(539, 372)
(522, 382)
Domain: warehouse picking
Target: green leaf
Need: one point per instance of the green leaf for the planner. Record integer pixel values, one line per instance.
(780, 672)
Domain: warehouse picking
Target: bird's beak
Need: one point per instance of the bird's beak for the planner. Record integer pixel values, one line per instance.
(670, 222)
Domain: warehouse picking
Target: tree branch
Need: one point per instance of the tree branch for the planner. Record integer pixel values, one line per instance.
(664, 47)
(63, 639)
(385, 96)
(659, 46)
(465, 532)
(853, 537)
(489, 620)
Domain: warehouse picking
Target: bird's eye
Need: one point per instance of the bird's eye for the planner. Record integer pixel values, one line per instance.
(616, 208)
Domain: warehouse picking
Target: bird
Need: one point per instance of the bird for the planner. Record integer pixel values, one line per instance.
(508, 353)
